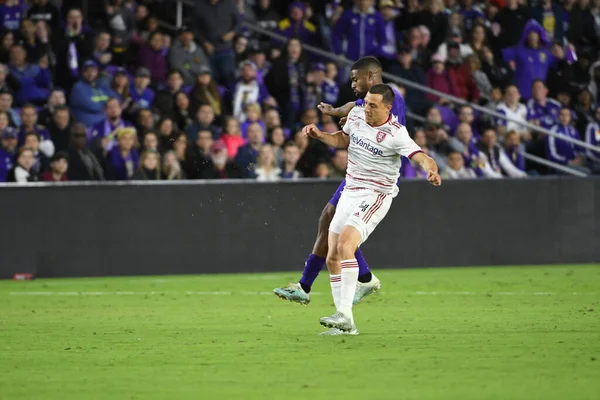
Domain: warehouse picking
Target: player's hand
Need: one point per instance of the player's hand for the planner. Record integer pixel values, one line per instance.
(434, 178)
(343, 121)
(312, 131)
(325, 108)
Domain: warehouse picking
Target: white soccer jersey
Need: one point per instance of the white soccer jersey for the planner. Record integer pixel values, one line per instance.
(520, 114)
(374, 153)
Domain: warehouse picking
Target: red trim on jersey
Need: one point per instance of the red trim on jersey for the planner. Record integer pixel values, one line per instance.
(378, 126)
(374, 208)
(387, 185)
(345, 133)
(413, 153)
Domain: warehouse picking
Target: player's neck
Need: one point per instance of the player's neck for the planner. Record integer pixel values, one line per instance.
(385, 121)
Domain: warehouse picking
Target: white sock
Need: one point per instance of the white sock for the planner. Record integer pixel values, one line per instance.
(349, 279)
(336, 289)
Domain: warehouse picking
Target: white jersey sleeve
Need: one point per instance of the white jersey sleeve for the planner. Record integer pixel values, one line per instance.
(403, 143)
(351, 117)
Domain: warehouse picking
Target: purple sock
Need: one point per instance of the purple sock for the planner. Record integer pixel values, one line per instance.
(312, 267)
(363, 267)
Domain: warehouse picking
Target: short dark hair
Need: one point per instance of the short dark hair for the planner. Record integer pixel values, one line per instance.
(368, 62)
(111, 99)
(538, 80)
(29, 105)
(291, 143)
(39, 138)
(385, 91)
(61, 108)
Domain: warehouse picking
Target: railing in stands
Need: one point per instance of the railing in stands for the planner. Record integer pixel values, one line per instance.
(406, 83)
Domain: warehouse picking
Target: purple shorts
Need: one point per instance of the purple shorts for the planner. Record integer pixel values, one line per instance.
(336, 196)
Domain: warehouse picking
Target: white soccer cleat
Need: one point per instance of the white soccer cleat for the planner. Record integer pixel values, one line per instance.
(338, 332)
(293, 292)
(338, 321)
(365, 289)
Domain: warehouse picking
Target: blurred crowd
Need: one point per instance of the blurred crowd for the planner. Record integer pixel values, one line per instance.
(106, 90)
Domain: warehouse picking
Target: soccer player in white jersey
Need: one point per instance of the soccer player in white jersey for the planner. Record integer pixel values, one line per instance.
(375, 142)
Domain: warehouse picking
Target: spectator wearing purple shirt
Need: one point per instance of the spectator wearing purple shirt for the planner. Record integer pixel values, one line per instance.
(363, 28)
(29, 118)
(560, 151)
(8, 149)
(35, 81)
(248, 153)
(296, 25)
(11, 13)
(123, 160)
(103, 134)
(152, 56)
(141, 94)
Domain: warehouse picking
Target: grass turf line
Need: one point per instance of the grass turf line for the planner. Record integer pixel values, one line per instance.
(173, 345)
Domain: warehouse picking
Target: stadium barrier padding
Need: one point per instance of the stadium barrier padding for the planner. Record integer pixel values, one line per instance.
(115, 229)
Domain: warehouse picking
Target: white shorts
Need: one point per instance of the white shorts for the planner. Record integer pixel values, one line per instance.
(363, 209)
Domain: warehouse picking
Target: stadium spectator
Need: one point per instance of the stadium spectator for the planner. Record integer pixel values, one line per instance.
(120, 85)
(456, 168)
(123, 160)
(388, 11)
(56, 99)
(482, 83)
(471, 14)
(286, 81)
(273, 120)
(408, 18)
(592, 137)
(145, 122)
(59, 165)
(89, 95)
(297, 25)
(206, 91)
(7, 81)
(517, 112)
(542, 110)
(442, 80)
(257, 55)
(339, 163)
(205, 120)
(184, 156)
(321, 170)
(83, 163)
(102, 133)
(240, 48)
(584, 110)
(477, 41)
(34, 80)
(11, 13)
(29, 118)
(455, 41)
(171, 169)
(266, 169)
(142, 96)
(253, 114)
(232, 137)
(466, 114)
(181, 114)
(7, 40)
(217, 22)
(248, 153)
(219, 167)
(73, 47)
(495, 156)
(22, 171)
(164, 101)
(150, 142)
(248, 90)
(411, 71)
(362, 28)
(120, 19)
(187, 56)
(499, 74)
(35, 41)
(463, 77)
(509, 23)
(167, 133)
(102, 53)
(149, 169)
(43, 10)
(560, 151)
(199, 155)
(41, 161)
(267, 18)
(153, 57)
(59, 128)
(550, 17)
(464, 143)
(436, 22)
(8, 147)
(512, 144)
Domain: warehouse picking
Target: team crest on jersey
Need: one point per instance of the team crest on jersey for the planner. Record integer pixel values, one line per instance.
(380, 136)
(542, 57)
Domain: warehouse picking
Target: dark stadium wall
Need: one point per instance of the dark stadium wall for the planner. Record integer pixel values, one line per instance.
(253, 227)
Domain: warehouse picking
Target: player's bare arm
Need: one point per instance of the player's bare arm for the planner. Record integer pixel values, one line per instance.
(337, 112)
(429, 166)
(338, 140)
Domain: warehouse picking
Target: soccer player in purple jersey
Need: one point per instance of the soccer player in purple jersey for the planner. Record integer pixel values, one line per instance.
(365, 73)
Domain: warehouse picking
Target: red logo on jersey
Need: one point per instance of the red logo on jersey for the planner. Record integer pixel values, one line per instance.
(381, 136)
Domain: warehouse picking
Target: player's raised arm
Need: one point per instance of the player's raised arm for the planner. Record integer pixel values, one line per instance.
(429, 166)
(337, 112)
(339, 140)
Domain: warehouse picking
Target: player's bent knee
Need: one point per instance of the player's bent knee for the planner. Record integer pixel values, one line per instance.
(348, 242)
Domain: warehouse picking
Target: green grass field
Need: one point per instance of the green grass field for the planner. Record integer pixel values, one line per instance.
(472, 333)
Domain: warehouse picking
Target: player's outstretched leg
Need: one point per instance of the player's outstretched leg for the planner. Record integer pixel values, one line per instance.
(300, 292)
(367, 282)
